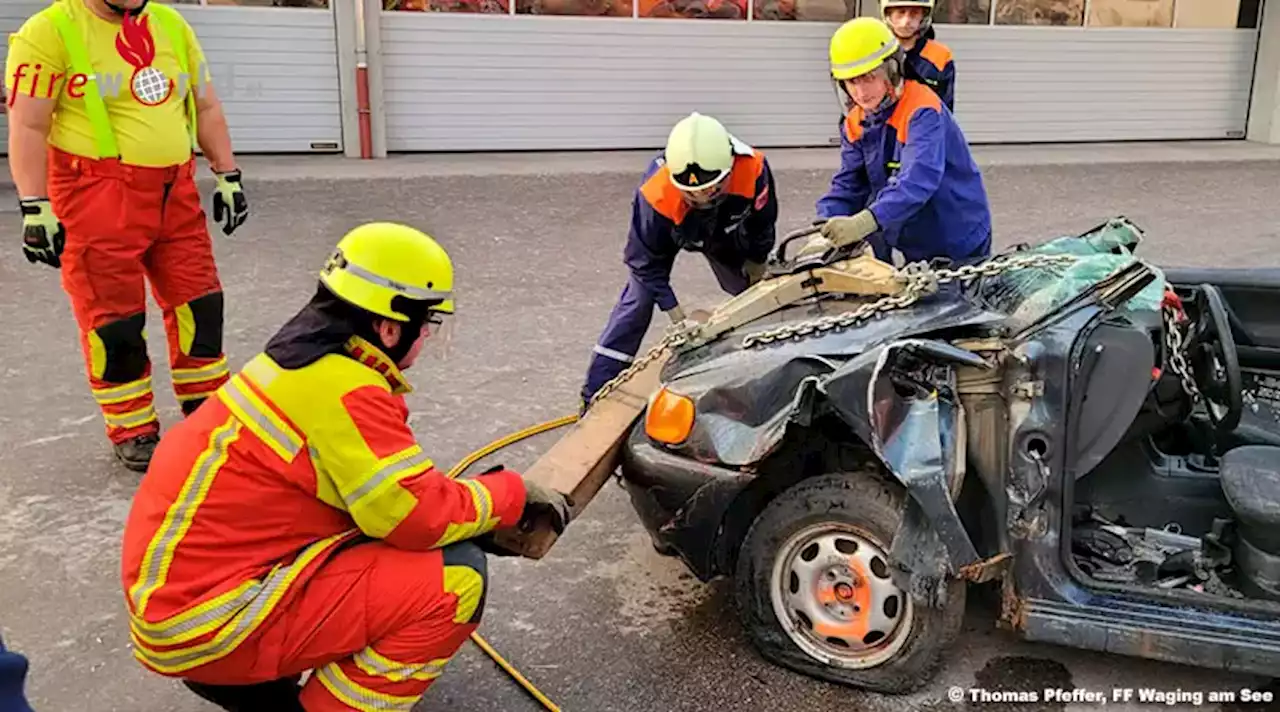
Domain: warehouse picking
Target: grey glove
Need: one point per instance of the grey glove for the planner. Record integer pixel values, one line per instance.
(845, 231)
(754, 271)
(544, 503)
(676, 314)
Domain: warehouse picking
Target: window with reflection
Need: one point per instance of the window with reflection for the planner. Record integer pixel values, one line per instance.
(1066, 13)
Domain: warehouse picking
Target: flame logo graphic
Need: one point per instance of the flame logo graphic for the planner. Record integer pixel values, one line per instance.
(137, 47)
(135, 43)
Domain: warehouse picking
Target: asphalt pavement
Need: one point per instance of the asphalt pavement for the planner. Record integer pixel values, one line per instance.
(603, 624)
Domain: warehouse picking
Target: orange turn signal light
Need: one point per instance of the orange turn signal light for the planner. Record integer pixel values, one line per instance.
(670, 418)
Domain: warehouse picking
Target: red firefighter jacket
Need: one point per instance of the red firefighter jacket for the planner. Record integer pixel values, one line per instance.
(246, 499)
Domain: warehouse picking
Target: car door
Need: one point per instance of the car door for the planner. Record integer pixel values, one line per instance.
(1253, 305)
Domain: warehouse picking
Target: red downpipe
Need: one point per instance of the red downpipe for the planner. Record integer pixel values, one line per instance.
(366, 114)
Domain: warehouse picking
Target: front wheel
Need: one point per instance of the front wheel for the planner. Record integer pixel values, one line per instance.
(814, 591)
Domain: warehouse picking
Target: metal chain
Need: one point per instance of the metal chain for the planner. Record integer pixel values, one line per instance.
(672, 340)
(1177, 357)
(920, 281)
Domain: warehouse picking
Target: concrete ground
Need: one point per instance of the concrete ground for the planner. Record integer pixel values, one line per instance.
(604, 624)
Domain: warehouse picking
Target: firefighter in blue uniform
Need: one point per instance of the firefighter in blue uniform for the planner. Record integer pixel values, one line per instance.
(13, 674)
(928, 61)
(907, 180)
(707, 192)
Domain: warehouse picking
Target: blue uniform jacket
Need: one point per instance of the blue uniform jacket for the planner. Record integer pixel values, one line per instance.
(930, 62)
(742, 227)
(13, 673)
(910, 165)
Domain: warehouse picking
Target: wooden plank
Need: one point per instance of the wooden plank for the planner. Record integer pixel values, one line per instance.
(581, 462)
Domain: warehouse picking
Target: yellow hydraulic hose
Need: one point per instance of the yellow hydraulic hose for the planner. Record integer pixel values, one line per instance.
(507, 441)
(457, 470)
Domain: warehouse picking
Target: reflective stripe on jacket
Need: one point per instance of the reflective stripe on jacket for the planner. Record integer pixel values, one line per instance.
(742, 227)
(247, 497)
(911, 166)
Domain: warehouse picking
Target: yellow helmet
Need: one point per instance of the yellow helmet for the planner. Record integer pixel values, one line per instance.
(699, 153)
(860, 46)
(377, 262)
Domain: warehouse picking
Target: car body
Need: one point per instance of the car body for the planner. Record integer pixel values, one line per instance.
(1027, 430)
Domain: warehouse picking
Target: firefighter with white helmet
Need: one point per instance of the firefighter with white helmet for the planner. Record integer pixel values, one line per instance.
(927, 60)
(907, 180)
(706, 192)
(296, 523)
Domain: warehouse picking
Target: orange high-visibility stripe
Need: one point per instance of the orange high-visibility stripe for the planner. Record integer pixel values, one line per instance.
(746, 172)
(853, 124)
(663, 197)
(938, 54)
(915, 97)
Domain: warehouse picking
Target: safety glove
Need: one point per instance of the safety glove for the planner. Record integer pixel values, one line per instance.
(43, 236)
(229, 205)
(844, 231)
(543, 503)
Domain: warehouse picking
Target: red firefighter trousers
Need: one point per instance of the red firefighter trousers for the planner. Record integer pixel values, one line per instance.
(376, 625)
(126, 225)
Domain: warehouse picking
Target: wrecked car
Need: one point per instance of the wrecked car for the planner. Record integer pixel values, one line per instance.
(1093, 438)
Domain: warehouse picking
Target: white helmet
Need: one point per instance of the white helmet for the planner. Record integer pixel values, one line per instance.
(926, 5)
(699, 153)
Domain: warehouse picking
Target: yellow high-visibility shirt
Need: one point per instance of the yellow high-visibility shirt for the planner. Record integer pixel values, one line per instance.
(147, 111)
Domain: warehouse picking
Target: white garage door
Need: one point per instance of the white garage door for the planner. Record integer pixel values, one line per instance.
(459, 82)
(276, 70)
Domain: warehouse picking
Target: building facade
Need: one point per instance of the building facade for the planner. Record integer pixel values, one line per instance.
(513, 75)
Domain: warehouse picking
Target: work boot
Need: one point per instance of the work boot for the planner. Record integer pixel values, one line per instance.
(274, 696)
(136, 452)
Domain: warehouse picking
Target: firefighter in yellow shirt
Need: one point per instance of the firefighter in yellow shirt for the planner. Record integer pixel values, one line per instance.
(107, 102)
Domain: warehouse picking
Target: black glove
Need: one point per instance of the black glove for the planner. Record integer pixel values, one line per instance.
(229, 205)
(43, 236)
(545, 503)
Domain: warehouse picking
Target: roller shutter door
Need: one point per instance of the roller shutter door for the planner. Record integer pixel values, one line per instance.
(276, 70)
(456, 82)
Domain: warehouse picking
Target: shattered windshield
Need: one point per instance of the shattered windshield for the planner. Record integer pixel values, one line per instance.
(1027, 295)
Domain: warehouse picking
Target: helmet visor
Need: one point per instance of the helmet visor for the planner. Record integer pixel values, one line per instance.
(700, 188)
(438, 332)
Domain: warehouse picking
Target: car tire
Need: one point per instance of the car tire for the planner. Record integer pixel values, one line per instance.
(869, 508)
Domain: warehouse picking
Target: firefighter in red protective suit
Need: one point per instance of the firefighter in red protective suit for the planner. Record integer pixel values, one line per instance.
(108, 101)
(294, 522)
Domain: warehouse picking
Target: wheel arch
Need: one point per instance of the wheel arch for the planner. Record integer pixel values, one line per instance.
(822, 448)
(825, 447)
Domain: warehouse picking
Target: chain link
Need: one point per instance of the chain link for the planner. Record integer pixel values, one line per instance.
(672, 340)
(1177, 357)
(921, 280)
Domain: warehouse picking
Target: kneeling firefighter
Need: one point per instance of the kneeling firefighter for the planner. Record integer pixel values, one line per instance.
(295, 523)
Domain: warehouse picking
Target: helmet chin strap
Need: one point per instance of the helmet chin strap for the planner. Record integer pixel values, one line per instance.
(121, 11)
